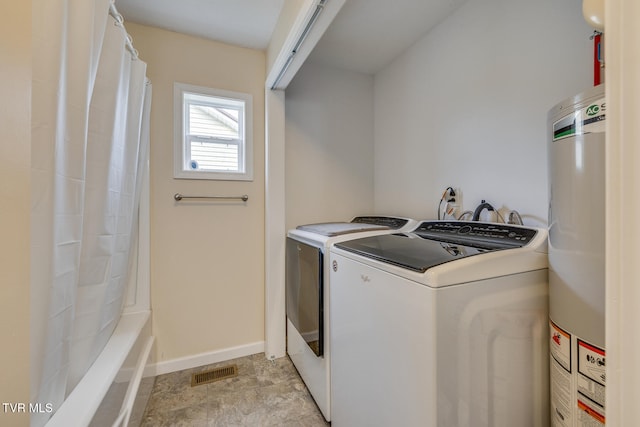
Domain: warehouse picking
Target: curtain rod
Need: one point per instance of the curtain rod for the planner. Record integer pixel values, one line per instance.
(120, 21)
(299, 42)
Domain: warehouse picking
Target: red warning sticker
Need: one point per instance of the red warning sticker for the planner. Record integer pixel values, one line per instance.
(588, 414)
(560, 346)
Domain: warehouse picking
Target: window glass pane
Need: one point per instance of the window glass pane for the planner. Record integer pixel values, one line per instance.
(213, 135)
(214, 156)
(213, 121)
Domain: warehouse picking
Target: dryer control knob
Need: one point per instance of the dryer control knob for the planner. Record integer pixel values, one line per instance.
(465, 229)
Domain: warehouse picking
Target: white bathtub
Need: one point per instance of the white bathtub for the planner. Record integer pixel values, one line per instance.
(82, 404)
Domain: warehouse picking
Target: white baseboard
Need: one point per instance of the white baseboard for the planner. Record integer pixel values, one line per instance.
(201, 359)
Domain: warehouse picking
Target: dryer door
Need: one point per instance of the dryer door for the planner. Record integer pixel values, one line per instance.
(304, 288)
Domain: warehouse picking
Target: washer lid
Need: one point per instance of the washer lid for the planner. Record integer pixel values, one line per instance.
(338, 228)
(409, 251)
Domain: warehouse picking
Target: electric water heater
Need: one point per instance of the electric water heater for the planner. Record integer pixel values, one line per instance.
(576, 150)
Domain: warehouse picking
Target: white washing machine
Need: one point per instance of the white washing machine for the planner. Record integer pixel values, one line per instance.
(307, 294)
(442, 327)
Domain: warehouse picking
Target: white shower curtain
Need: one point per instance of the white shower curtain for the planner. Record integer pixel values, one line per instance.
(88, 94)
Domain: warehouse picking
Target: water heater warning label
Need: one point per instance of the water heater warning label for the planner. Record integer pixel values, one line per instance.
(591, 372)
(589, 416)
(561, 378)
(577, 377)
(560, 346)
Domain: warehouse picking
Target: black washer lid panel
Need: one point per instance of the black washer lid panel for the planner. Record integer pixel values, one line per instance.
(391, 222)
(408, 250)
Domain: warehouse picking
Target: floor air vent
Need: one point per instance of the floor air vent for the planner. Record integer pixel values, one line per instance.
(213, 375)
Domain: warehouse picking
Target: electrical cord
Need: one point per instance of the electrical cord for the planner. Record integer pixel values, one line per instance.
(451, 193)
(515, 218)
(488, 206)
(465, 213)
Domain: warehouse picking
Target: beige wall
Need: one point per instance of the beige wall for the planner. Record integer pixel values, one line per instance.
(15, 134)
(207, 259)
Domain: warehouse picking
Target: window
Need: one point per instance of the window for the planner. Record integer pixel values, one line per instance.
(213, 138)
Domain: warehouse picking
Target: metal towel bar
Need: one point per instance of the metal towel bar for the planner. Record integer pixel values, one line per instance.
(179, 197)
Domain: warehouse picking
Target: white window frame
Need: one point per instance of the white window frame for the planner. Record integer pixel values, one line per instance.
(181, 145)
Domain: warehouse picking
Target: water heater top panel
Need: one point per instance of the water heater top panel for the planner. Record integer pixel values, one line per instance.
(579, 102)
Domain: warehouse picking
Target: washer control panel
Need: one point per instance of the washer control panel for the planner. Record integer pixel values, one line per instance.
(479, 234)
(387, 221)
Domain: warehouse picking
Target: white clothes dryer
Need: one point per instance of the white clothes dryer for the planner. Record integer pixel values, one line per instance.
(308, 291)
(442, 327)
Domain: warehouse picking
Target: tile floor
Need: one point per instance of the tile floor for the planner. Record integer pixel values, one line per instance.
(265, 393)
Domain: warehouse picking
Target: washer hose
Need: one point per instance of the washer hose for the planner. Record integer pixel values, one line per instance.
(482, 206)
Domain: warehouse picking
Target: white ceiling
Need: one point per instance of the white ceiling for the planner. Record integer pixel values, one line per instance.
(365, 36)
(368, 34)
(247, 23)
